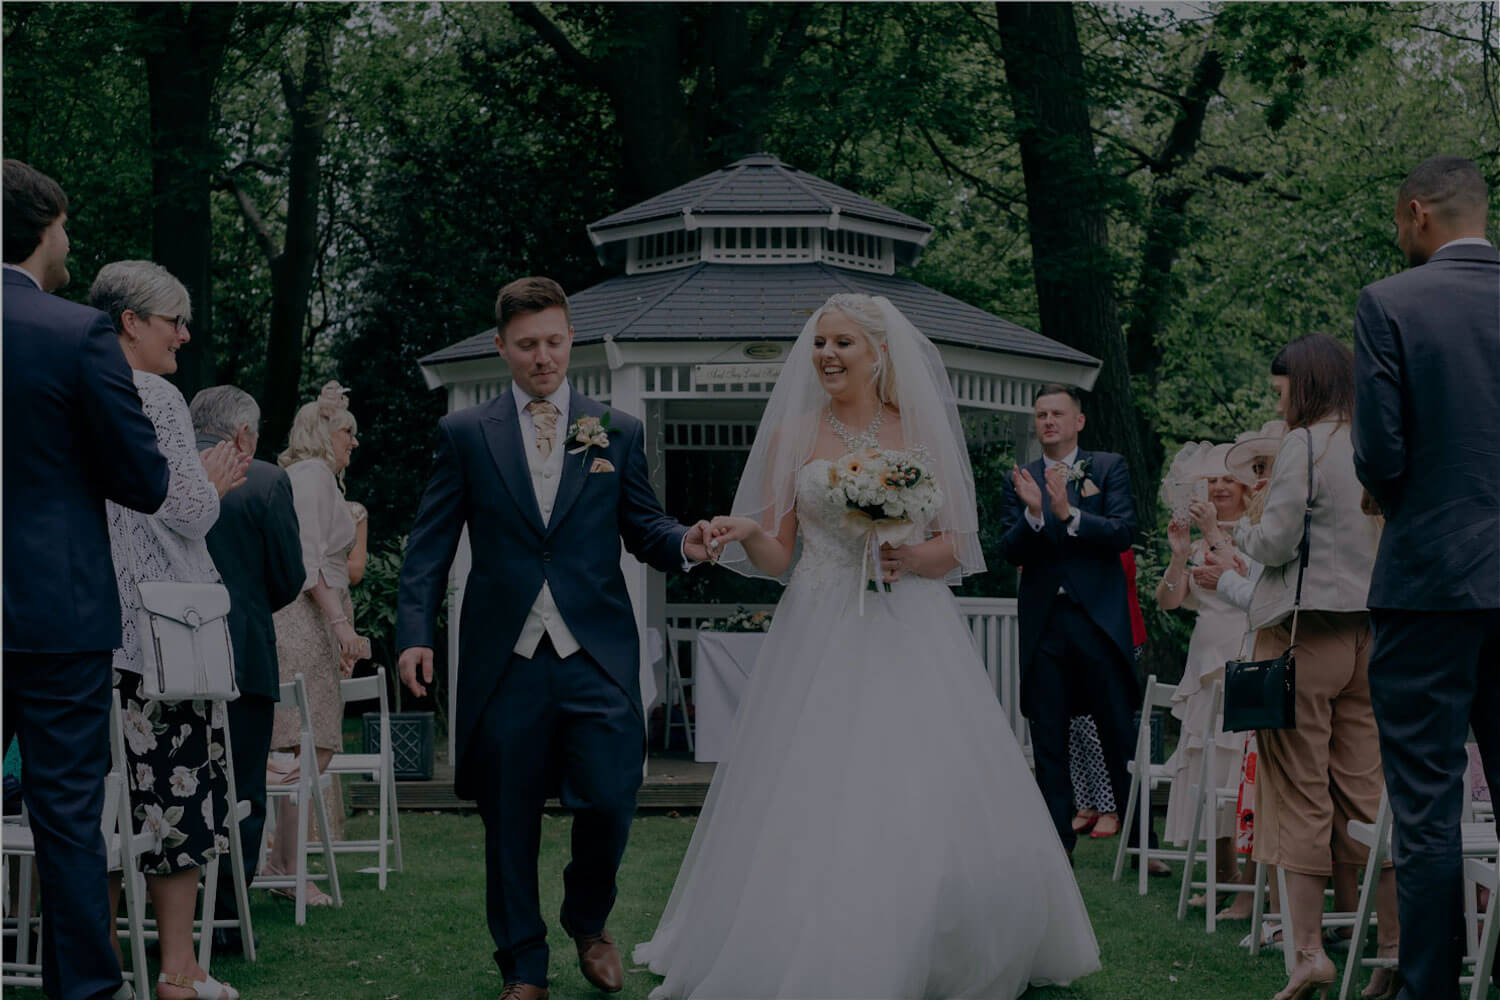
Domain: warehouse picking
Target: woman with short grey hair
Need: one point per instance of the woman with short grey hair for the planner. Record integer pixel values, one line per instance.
(175, 750)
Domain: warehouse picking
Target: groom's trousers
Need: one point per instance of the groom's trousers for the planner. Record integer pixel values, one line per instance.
(554, 725)
(1077, 670)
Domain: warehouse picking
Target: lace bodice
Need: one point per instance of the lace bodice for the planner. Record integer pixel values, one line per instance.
(167, 545)
(831, 553)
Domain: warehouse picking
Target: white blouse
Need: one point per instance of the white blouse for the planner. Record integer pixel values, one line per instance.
(167, 545)
(325, 523)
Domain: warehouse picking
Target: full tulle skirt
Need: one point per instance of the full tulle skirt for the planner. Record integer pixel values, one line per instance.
(874, 831)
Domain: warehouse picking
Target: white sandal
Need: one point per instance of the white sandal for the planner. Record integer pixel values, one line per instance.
(203, 989)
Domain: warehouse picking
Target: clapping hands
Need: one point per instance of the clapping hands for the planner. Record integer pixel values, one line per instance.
(225, 466)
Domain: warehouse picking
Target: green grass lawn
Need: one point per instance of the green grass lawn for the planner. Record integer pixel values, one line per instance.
(425, 936)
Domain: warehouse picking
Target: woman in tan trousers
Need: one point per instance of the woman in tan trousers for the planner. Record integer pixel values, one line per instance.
(1317, 777)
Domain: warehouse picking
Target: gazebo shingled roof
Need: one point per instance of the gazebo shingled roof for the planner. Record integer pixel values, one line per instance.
(766, 302)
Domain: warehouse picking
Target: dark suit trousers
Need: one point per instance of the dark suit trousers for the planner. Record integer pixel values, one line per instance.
(58, 704)
(1077, 670)
(1432, 675)
(250, 720)
(554, 724)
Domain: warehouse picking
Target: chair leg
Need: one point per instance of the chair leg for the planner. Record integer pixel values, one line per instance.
(23, 911)
(395, 818)
(241, 893)
(210, 898)
(1288, 931)
(385, 795)
(326, 836)
(1135, 789)
(1209, 800)
(1192, 856)
(1143, 828)
(1486, 952)
(303, 809)
(1258, 908)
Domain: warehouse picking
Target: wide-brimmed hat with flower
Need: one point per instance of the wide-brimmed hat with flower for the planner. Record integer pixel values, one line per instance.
(1250, 445)
(1194, 461)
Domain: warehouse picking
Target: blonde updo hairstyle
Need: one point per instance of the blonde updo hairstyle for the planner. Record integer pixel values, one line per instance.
(864, 312)
(312, 430)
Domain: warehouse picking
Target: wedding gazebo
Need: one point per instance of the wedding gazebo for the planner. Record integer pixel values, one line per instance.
(716, 279)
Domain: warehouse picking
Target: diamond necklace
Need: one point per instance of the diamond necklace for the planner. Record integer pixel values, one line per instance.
(868, 438)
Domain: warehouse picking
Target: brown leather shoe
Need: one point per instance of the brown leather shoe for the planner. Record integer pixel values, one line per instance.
(598, 960)
(522, 991)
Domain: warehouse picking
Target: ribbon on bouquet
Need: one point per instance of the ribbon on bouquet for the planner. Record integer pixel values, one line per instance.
(875, 534)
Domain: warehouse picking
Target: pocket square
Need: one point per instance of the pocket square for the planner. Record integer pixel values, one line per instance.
(1088, 489)
(602, 465)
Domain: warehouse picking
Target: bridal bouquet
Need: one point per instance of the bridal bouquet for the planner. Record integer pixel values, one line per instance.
(884, 493)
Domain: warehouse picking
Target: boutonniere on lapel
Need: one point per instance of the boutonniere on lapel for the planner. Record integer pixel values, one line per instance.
(589, 432)
(1078, 475)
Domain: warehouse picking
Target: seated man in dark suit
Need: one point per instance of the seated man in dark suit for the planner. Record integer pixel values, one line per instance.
(1066, 518)
(258, 551)
(75, 436)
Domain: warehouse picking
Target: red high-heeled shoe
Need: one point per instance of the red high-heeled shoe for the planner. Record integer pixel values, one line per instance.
(1103, 834)
(1083, 824)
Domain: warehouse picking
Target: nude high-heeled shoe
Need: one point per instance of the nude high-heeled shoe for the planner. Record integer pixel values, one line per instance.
(1314, 972)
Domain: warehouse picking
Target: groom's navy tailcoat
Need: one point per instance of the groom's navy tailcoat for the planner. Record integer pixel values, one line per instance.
(1087, 565)
(481, 479)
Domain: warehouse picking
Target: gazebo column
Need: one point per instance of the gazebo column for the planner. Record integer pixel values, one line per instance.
(627, 385)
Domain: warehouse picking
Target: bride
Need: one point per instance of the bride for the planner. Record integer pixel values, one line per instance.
(873, 830)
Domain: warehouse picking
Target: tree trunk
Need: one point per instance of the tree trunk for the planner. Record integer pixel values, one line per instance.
(1069, 233)
(308, 102)
(184, 47)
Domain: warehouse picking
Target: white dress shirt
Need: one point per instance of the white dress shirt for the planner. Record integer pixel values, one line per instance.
(1073, 516)
(544, 617)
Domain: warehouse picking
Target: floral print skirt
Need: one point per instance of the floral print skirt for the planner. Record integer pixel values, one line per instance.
(179, 788)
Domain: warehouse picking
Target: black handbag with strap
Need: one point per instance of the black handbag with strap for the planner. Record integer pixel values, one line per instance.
(1262, 694)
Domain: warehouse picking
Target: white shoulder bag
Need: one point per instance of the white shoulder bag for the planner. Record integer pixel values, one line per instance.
(184, 633)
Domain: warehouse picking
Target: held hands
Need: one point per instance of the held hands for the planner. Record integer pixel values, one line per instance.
(352, 647)
(723, 530)
(413, 659)
(225, 466)
(695, 543)
(1207, 577)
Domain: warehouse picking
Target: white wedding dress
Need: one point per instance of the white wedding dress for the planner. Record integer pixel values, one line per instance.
(874, 831)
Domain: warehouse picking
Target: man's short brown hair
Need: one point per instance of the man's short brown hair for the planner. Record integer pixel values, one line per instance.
(529, 295)
(33, 201)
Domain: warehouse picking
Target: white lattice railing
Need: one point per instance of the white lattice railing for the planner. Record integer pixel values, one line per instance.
(992, 624)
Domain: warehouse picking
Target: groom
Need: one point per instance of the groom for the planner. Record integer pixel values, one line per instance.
(1065, 520)
(549, 483)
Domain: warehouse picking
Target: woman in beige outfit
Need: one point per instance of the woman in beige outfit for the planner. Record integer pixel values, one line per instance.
(1317, 777)
(315, 636)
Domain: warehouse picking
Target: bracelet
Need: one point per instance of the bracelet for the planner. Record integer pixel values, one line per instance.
(341, 619)
(1168, 584)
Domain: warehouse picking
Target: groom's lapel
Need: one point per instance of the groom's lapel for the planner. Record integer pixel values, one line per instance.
(575, 467)
(502, 432)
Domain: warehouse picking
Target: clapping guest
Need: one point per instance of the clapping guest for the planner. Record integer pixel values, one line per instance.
(257, 549)
(174, 749)
(1197, 578)
(75, 436)
(314, 634)
(1327, 771)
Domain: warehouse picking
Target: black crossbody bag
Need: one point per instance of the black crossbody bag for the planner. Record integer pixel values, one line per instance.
(1262, 694)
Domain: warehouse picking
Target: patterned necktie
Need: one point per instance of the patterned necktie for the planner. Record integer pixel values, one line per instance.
(544, 418)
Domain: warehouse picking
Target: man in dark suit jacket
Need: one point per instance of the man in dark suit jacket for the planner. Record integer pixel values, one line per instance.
(258, 551)
(1066, 518)
(75, 436)
(548, 671)
(1427, 447)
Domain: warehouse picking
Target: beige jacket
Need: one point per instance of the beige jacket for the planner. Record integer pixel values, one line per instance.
(1341, 553)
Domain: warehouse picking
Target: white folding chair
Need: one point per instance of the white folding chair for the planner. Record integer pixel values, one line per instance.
(1208, 799)
(381, 768)
(122, 847)
(1479, 842)
(1483, 873)
(308, 790)
(1145, 777)
(677, 685)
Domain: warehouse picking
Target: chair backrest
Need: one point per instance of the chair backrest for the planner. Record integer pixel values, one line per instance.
(1159, 695)
(364, 688)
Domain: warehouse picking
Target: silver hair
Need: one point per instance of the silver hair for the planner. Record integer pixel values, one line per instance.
(139, 286)
(221, 410)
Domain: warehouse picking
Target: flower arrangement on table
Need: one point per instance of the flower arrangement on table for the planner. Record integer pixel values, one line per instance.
(741, 621)
(885, 494)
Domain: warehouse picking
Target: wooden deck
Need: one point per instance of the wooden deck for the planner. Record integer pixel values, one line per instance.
(673, 781)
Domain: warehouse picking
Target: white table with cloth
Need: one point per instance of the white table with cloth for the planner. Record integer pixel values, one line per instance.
(722, 662)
